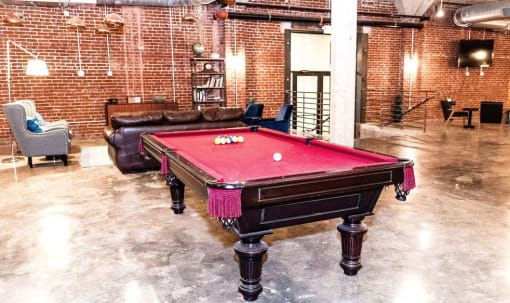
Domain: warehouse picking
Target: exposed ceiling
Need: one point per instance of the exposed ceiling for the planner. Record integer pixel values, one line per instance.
(419, 7)
(468, 1)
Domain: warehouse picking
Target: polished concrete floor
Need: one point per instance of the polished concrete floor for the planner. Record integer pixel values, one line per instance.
(72, 234)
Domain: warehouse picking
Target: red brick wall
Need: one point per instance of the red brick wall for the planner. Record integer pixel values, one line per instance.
(436, 46)
(141, 60)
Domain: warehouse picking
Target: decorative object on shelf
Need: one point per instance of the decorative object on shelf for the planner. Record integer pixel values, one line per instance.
(207, 67)
(78, 23)
(208, 82)
(114, 20)
(14, 19)
(221, 14)
(134, 99)
(189, 18)
(197, 48)
(158, 99)
(35, 67)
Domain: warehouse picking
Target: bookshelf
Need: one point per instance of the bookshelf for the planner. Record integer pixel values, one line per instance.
(208, 82)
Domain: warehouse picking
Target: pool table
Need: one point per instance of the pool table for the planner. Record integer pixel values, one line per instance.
(251, 193)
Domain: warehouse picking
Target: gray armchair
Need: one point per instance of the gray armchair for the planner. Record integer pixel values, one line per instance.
(51, 142)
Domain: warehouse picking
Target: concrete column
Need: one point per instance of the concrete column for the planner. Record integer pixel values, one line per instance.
(343, 70)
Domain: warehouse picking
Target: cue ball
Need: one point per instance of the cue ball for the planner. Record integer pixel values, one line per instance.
(277, 157)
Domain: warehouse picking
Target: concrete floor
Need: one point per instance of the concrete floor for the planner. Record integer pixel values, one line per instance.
(72, 234)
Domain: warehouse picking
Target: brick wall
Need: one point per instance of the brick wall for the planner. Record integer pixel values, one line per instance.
(141, 61)
(436, 47)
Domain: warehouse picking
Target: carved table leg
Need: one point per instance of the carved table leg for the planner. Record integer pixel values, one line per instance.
(177, 193)
(250, 251)
(352, 232)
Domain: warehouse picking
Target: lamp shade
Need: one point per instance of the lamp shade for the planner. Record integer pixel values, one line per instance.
(37, 67)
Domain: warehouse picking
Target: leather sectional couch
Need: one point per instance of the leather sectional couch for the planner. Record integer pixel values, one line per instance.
(123, 135)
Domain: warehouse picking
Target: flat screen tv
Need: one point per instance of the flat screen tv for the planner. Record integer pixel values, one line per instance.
(475, 53)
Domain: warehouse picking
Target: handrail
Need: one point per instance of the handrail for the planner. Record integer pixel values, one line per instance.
(393, 110)
(411, 109)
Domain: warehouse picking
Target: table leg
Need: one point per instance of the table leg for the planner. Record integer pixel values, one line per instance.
(177, 193)
(250, 251)
(352, 232)
(470, 118)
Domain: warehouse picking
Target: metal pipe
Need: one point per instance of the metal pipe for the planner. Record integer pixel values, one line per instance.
(286, 18)
(172, 51)
(411, 57)
(287, 7)
(390, 24)
(422, 18)
(480, 13)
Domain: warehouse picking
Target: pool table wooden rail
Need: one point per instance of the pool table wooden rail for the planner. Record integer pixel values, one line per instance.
(256, 193)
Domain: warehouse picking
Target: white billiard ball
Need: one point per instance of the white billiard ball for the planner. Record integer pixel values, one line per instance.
(277, 157)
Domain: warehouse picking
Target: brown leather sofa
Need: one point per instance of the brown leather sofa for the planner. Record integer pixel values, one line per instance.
(124, 134)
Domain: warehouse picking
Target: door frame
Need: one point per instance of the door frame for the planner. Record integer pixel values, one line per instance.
(320, 96)
(288, 48)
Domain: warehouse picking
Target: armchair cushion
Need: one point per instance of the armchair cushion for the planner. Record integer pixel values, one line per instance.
(33, 126)
(39, 119)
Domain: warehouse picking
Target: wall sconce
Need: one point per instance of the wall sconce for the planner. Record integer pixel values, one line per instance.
(237, 62)
(440, 12)
(411, 64)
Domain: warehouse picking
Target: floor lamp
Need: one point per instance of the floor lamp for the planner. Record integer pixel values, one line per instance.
(35, 67)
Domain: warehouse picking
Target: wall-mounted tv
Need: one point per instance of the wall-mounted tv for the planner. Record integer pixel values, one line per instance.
(475, 53)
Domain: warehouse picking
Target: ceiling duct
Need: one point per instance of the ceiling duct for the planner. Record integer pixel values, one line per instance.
(494, 15)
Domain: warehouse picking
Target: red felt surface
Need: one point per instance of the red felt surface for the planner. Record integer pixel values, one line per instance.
(253, 159)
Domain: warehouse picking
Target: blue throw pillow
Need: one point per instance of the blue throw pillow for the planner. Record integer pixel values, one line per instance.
(33, 127)
(39, 119)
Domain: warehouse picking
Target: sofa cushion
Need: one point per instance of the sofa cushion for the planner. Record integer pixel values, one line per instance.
(180, 117)
(222, 114)
(136, 118)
